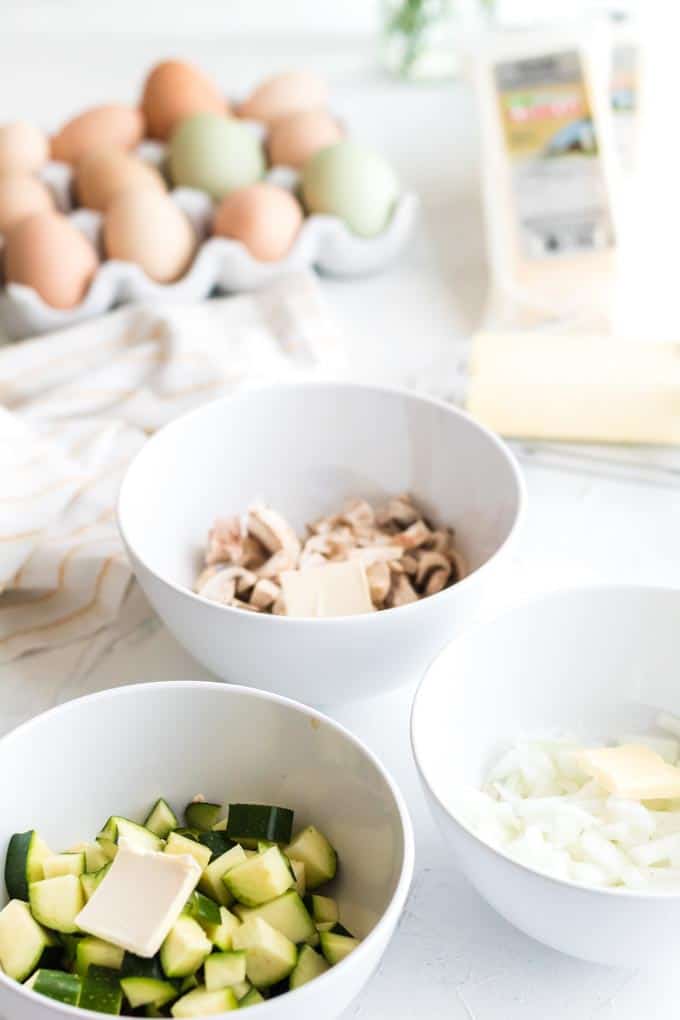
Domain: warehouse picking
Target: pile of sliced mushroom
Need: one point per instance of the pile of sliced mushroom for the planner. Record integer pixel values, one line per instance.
(405, 557)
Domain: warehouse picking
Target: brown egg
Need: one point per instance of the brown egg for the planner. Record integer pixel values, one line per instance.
(175, 90)
(264, 217)
(20, 196)
(147, 227)
(103, 173)
(46, 252)
(24, 148)
(102, 125)
(293, 139)
(289, 92)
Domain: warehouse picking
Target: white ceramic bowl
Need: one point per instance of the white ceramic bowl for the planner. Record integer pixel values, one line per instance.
(305, 448)
(118, 751)
(600, 661)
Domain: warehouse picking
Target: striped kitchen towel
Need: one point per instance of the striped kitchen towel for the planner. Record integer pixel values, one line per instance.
(76, 407)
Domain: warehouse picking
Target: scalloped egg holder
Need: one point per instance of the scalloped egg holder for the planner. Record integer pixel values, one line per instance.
(220, 265)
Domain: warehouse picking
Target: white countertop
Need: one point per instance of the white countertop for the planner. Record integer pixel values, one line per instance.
(589, 519)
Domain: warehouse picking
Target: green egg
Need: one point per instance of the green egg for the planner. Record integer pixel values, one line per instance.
(352, 182)
(214, 153)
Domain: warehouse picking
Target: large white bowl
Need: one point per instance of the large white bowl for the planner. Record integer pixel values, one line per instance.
(600, 661)
(116, 752)
(305, 448)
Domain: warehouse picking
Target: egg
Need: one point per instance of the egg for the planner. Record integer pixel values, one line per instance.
(289, 92)
(293, 139)
(114, 124)
(148, 228)
(175, 90)
(215, 154)
(264, 217)
(20, 196)
(102, 173)
(46, 252)
(24, 148)
(353, 182)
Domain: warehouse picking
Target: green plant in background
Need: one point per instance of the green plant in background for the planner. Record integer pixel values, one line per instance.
(419, 37)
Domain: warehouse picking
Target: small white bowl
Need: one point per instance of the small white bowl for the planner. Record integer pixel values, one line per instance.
(601, 661)
(68, 769)
(305, 448)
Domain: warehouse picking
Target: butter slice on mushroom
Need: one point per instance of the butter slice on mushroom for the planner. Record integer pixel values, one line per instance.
(338, 589)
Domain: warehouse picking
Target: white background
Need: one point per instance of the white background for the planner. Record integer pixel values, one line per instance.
(593, 515)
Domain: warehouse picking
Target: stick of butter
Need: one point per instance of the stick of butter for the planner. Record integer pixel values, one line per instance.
(140, 899)
(631, 771)
(336, 589)
(578, 388)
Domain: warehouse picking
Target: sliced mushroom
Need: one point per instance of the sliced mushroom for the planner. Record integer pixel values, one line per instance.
(220, 588)
(279, 607)
(428, 563)
(379, 581)
(401, 592)
(239, 604)
(277, 563)
(409, 563)
(376, 554)
(206, 575)
(437, 581)
(402, 511)
(273, 531)
(415, 535)
(359, 514)
(225, 540)
(264, 594)
(253, 553)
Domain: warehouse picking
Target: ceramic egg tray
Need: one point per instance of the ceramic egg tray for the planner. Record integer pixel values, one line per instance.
(219, 266)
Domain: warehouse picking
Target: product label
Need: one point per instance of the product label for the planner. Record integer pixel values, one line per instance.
(624, 88)
(557, 179)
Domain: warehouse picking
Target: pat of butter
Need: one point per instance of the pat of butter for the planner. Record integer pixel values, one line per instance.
(140, 899)
(336, 589)
(578, 388)
(631, 771)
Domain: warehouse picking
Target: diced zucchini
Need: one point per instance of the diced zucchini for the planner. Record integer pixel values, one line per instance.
(56, 902)
(336, 947)
(185, 948)
(224, 970)
(141, 966)
(144, 991)
(161, 820)
(189, 982)
(220, 826)
(263, 845)
(22, 940)
(319, 858)
(118, 828)
(298, 869)
(270, 956)
(252, 998)
(55, 984)
(24, 863)
(201, 815)
(64, 864)
(248, 823)
(93, 951)
(325, 925)
(309, 966)
(69, 948)
(201, 1003)
(90, 882)
(260, 879)
(107, 847)
(101, 991)
(188, 833)
(203, 909)
(217, 842)
(211, 880)
(181, 845)
(241, 988)
(322, 908)
(95, 858)
(339, 929)
(286, 913)
(221, 934)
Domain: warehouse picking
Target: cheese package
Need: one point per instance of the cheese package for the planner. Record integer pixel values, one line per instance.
(336, 589)
(549, 171)
(140, 899)
(631, 771)
(575, 387)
